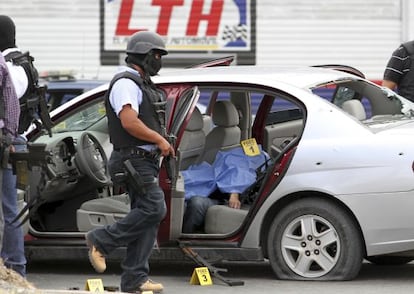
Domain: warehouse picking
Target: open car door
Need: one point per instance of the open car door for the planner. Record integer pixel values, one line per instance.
(180, 105)
(181, 101)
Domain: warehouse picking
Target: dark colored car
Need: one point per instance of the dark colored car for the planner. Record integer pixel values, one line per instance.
(62, 87)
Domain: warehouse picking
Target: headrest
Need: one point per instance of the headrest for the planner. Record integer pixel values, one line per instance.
(355, 108)
(225, 114)
(196, 121)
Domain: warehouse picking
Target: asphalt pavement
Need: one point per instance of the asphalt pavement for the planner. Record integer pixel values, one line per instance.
(258, 278)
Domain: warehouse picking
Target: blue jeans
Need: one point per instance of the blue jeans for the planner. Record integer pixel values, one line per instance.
(195, 213)
(138, 229)
(12, 251)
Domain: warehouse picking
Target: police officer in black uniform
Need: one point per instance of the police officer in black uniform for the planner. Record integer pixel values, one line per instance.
(136, 131)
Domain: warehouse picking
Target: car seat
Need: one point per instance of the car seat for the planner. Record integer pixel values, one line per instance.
(222, 219)
(355, 108)
(192, 142)
(102, 211)
(226, 134)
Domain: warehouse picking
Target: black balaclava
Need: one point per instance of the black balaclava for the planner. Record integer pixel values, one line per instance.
(137, 59)
(153, 64)
(148, 62)
(7, 33)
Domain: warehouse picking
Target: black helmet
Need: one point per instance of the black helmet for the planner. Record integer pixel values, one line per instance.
(143, 42)
(7, 33)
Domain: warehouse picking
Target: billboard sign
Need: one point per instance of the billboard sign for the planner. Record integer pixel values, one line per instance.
(191, 26)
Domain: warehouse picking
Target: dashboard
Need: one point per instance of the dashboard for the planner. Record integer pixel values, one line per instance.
(71, 158)
(63, 153)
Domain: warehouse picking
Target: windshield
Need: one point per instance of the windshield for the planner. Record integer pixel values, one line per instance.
(376, 100)
(407, 106)
(82, 119)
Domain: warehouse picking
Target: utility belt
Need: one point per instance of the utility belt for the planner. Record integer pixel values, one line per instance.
(123, 172)
(126, 151)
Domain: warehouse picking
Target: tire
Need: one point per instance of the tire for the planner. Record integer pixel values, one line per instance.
(389, 260)
(333, 250)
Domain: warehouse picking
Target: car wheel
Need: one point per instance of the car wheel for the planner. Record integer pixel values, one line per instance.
(389, 260)
(314, 239)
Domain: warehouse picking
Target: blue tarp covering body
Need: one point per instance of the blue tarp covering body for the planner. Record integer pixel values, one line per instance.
(232, 172)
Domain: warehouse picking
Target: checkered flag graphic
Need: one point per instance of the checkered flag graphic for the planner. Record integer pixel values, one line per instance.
(232, 33)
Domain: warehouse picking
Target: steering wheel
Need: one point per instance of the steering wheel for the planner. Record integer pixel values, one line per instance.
(91, 159)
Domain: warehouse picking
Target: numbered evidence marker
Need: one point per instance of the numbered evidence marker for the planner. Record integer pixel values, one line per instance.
(201, 276)
(94, 285)
(250, 147)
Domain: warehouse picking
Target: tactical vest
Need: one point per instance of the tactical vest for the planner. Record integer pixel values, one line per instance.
(33, 102)
(406, 85)
(151, 98)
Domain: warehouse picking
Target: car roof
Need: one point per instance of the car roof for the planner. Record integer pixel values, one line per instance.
(298, 76)
(272, 76)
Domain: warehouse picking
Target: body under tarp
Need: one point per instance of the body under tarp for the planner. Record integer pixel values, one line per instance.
(231, 172)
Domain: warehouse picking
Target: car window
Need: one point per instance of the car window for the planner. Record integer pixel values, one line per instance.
(327, 92)
(279, 120)
(55, 99)
(188, 99)
(209, 96)
(82, 119)
(63, 88)
(344, 93)
(374, 99)
(283, 110)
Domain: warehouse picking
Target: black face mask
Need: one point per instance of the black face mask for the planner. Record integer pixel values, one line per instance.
(137, 59)
(152, 64)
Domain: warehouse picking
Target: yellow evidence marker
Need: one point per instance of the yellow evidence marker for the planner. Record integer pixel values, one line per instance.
(201, 276)
(250, 147)
(94, 285)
